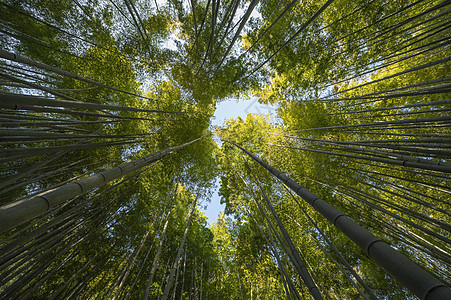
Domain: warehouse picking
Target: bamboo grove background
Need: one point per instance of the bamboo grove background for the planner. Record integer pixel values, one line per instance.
(107, 150)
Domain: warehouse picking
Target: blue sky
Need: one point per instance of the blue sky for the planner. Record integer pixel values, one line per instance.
(225, 110)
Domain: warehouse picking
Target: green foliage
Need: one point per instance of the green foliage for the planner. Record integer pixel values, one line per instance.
(359, 97)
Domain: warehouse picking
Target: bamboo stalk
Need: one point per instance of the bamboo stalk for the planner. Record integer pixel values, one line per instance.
(13, 214)
(417, 280)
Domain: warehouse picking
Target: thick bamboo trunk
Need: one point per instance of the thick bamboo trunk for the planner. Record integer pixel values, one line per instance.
(417, 280)
(287, 244)
(335, 250)
(13, 214)
(399, 235)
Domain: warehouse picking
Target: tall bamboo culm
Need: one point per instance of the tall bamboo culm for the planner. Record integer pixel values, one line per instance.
(417, 280)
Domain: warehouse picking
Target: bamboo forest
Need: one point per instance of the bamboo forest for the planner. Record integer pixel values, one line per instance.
(110, 149)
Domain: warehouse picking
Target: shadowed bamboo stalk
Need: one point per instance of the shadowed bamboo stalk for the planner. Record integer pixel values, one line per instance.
(392, 36)
(290, 248)
(286, 280)
(292, 3)
(400, 191)
(302, 28)
(126, 270)
(28, 61)
(153, 269)
(240, 28)
(417, 280)
(428, 150)
(401, 107)
(362, 150)
(335, 250)
(415, 121)
(37, 86)
(65, 111)
(400, 162)
(39, 165)
(414, 54)
(399, 233)
(7, 98)
(13, 214)
(174, 267)
(392, 204)
(355, 194)
(36, 151)
(234, 7)
(393, 54)
(140, 269)
(210, 42)
(69, 223)
(414, 69)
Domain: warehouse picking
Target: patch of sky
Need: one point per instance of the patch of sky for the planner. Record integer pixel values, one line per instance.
(131, 151)
(233, 108)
